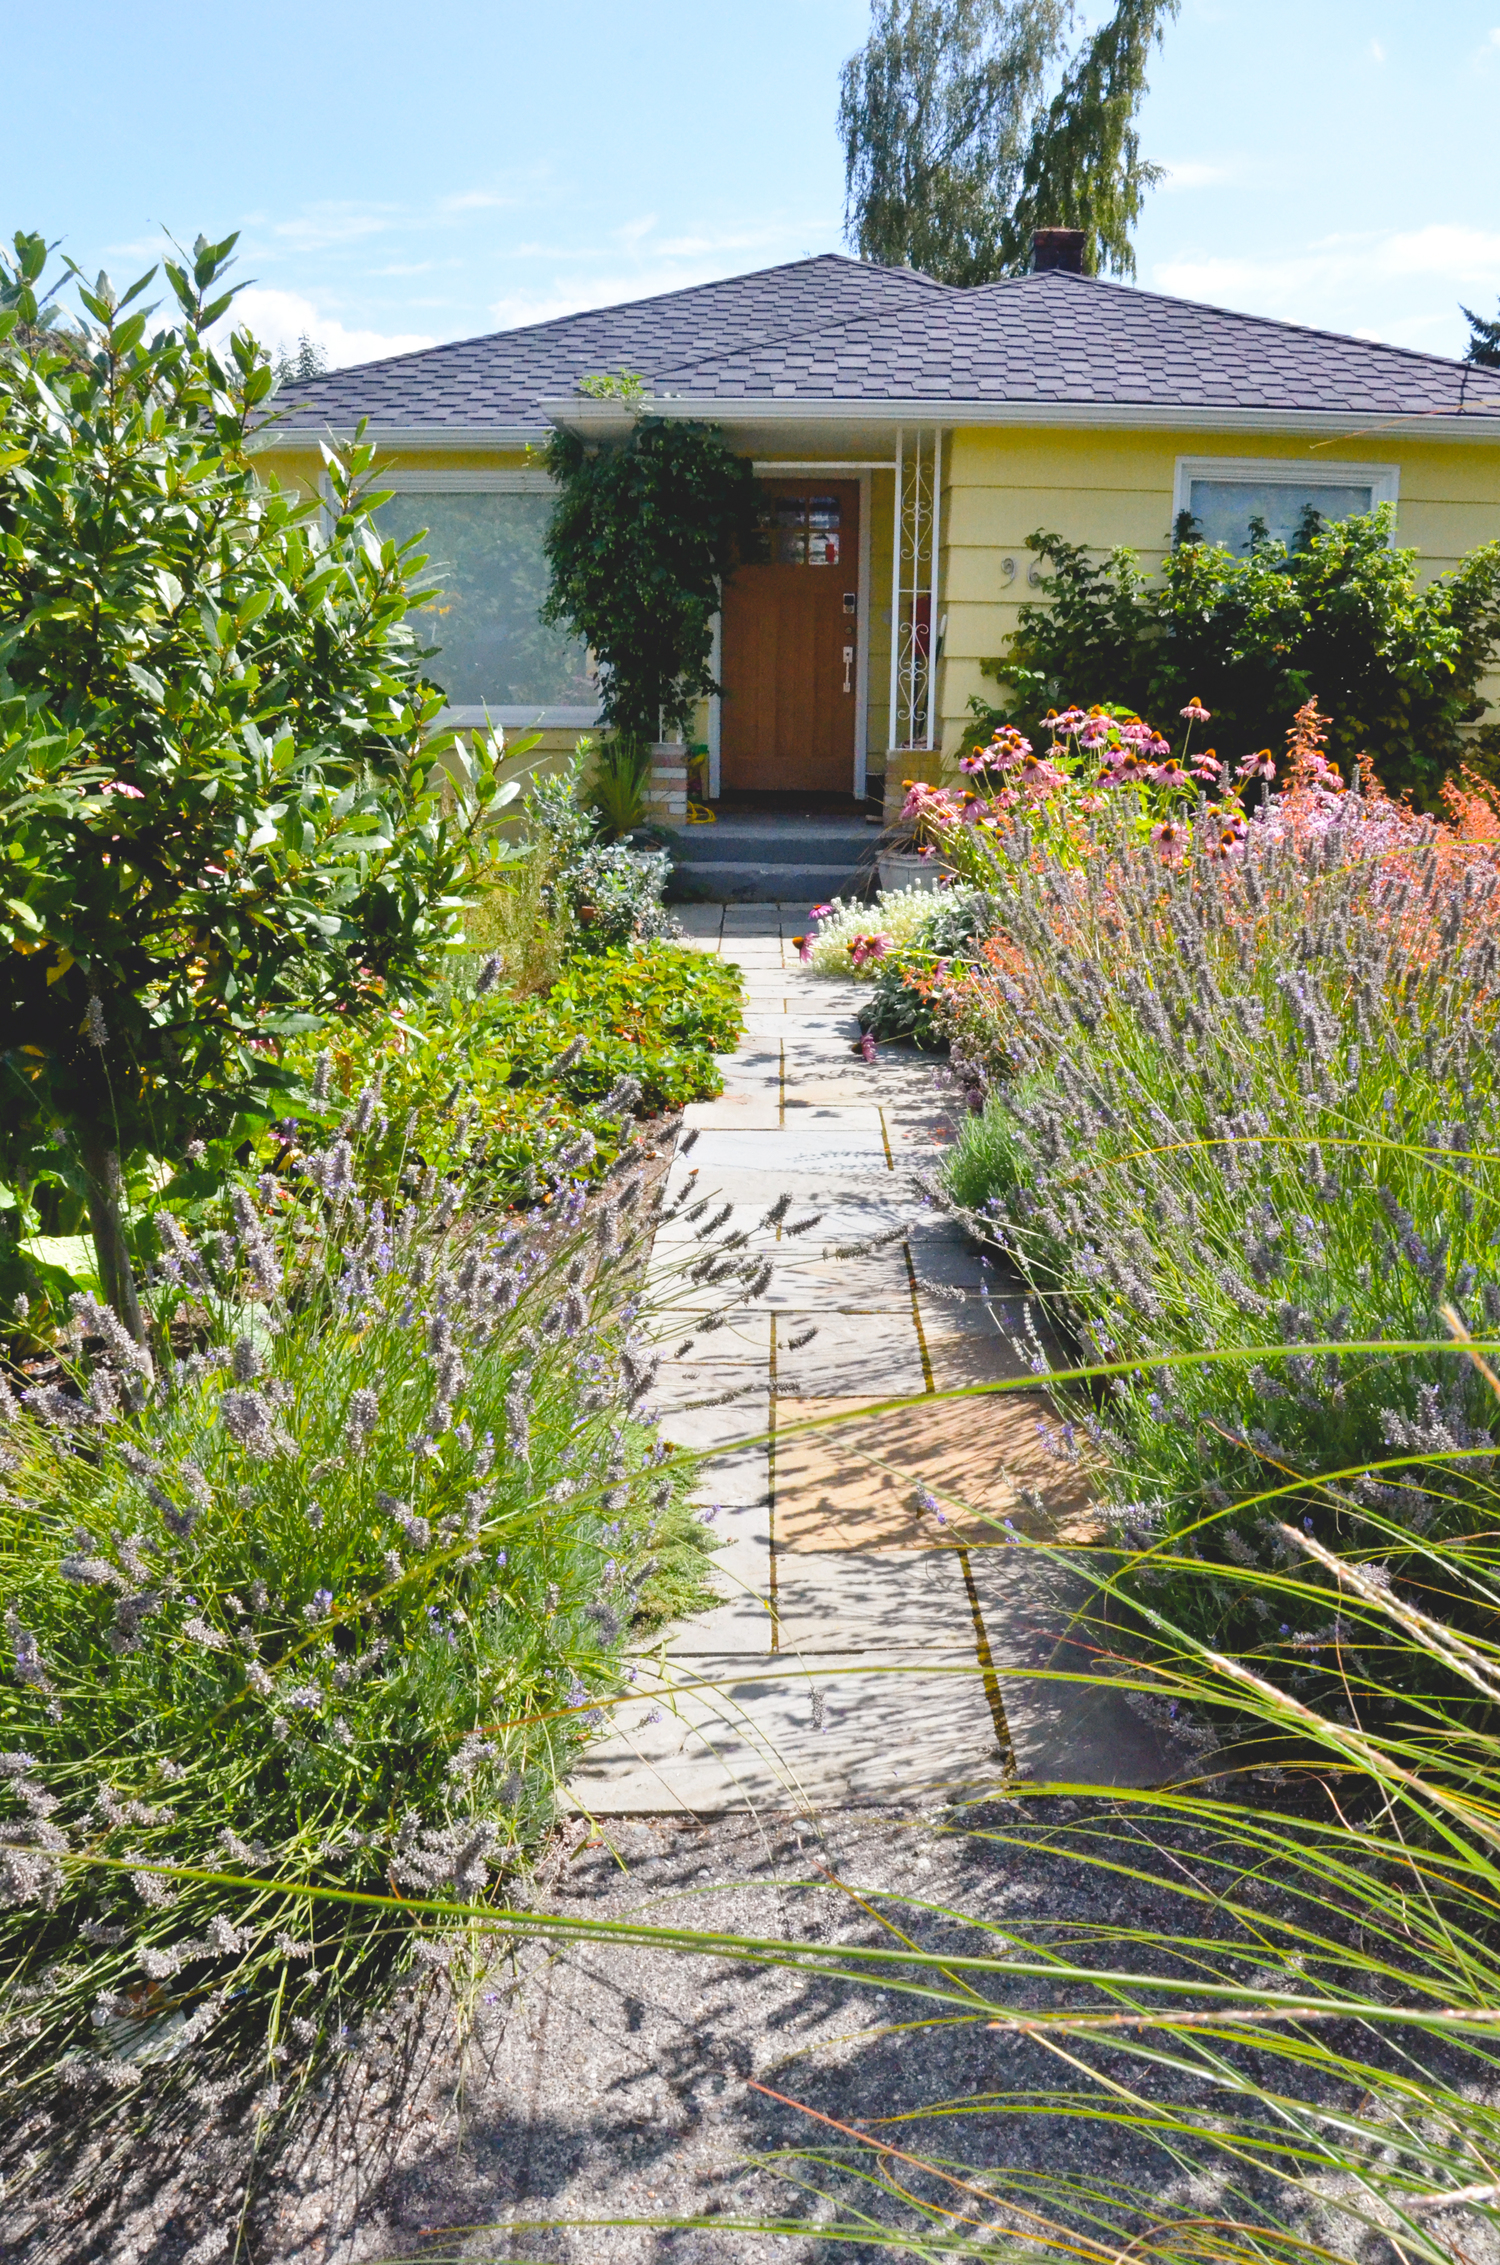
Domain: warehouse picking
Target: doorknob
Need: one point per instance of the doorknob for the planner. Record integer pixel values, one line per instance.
(848, 666)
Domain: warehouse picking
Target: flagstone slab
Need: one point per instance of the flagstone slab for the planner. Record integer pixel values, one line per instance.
(851, 1481)
(733, 1734)
(835, 1030)
(837, 1142)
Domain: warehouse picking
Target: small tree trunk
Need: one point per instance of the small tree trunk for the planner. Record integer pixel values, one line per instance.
(107, 1222)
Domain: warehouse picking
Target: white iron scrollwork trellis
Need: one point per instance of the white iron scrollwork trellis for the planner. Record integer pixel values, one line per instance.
(914, 588)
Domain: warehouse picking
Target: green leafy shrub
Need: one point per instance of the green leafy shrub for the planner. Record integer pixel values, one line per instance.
(643, 535)
(227, 807)
(1338, 616)
(510, 1093)
(325, 1604)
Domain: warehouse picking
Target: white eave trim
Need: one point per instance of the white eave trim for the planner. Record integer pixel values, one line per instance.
(425, 437)
(605, 420)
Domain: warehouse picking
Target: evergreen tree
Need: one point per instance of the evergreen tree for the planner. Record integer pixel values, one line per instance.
(308, 359)
(954, 153)
(1484, 340)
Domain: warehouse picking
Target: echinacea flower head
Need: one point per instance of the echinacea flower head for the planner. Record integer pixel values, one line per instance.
(1136, 734)
(1261, 765)
(1168, 772)
(1170, 841)
(1071, 720)
(1206, 767)
(820, 912)
(1037, 776)
(1194, 712)
(1095, 731)
(802, 946)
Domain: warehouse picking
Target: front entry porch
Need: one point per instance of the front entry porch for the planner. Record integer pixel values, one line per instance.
(770, 856)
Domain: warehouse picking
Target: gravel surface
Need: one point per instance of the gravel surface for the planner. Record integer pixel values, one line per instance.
(613, 2081)
(493, 2117)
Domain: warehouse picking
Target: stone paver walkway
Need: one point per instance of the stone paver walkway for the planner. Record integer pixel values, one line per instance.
(879, 1637)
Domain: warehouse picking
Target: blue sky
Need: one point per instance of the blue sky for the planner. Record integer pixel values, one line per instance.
(403, 176)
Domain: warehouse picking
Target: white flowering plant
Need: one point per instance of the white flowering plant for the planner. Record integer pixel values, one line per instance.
(854, 939)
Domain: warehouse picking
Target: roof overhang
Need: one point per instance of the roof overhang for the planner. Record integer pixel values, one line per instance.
(778, 423)
(311, 437)
(777, 427)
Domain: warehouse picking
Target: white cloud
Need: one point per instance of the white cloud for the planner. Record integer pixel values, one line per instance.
(631, 267)
(1309, 284)
(1377, 52)
(1192, 173)
(280, 318)
(326, 225)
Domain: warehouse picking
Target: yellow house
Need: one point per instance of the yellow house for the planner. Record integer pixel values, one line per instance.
(878, 404)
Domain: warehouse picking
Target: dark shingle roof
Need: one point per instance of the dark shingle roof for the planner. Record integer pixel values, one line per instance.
(831, 330)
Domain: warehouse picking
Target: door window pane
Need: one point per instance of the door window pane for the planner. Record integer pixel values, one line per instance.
(823, 511)
(486, 552)
(822, 550)
(791, 548)
(1225, 508)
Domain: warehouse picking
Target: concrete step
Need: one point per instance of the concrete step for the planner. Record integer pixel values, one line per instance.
(800, 841)
(770, 857)
(750, 881)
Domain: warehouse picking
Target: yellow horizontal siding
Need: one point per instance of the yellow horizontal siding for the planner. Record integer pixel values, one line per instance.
(1107, 488)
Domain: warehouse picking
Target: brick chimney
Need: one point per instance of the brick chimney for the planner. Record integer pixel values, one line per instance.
(1057, 247)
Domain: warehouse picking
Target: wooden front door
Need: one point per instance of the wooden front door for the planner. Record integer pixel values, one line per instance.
(787, 720)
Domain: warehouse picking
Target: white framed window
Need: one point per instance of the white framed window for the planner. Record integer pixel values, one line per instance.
(495, 655)
(1224, 493)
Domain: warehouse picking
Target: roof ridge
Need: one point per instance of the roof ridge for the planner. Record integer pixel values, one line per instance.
(1233, 314)
(554, 323)
(823, 325)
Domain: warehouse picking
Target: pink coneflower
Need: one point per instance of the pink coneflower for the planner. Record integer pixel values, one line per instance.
(1071, 720)
(1261, 765)
(1206, 767)
(1194, 712)
(1168, 772)
(1095, 731)
(1137, 734)
(122, 786)
(1006, 749)
(863, 948)
(1229, 840)
(1170, 840)
(1128, 766)
(867, 1047)
(1040, 777)
(803, 948)
(820, 912)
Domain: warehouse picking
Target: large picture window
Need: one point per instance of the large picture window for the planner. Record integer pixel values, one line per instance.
(484, 543)
(1224, 494)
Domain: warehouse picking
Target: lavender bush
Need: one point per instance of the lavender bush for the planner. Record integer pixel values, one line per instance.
(318, 1608)
(1238, 1107)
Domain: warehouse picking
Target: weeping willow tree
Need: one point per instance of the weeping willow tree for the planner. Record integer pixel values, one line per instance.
(969, 124)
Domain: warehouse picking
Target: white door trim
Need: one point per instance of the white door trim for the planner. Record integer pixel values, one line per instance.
(862, 643)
